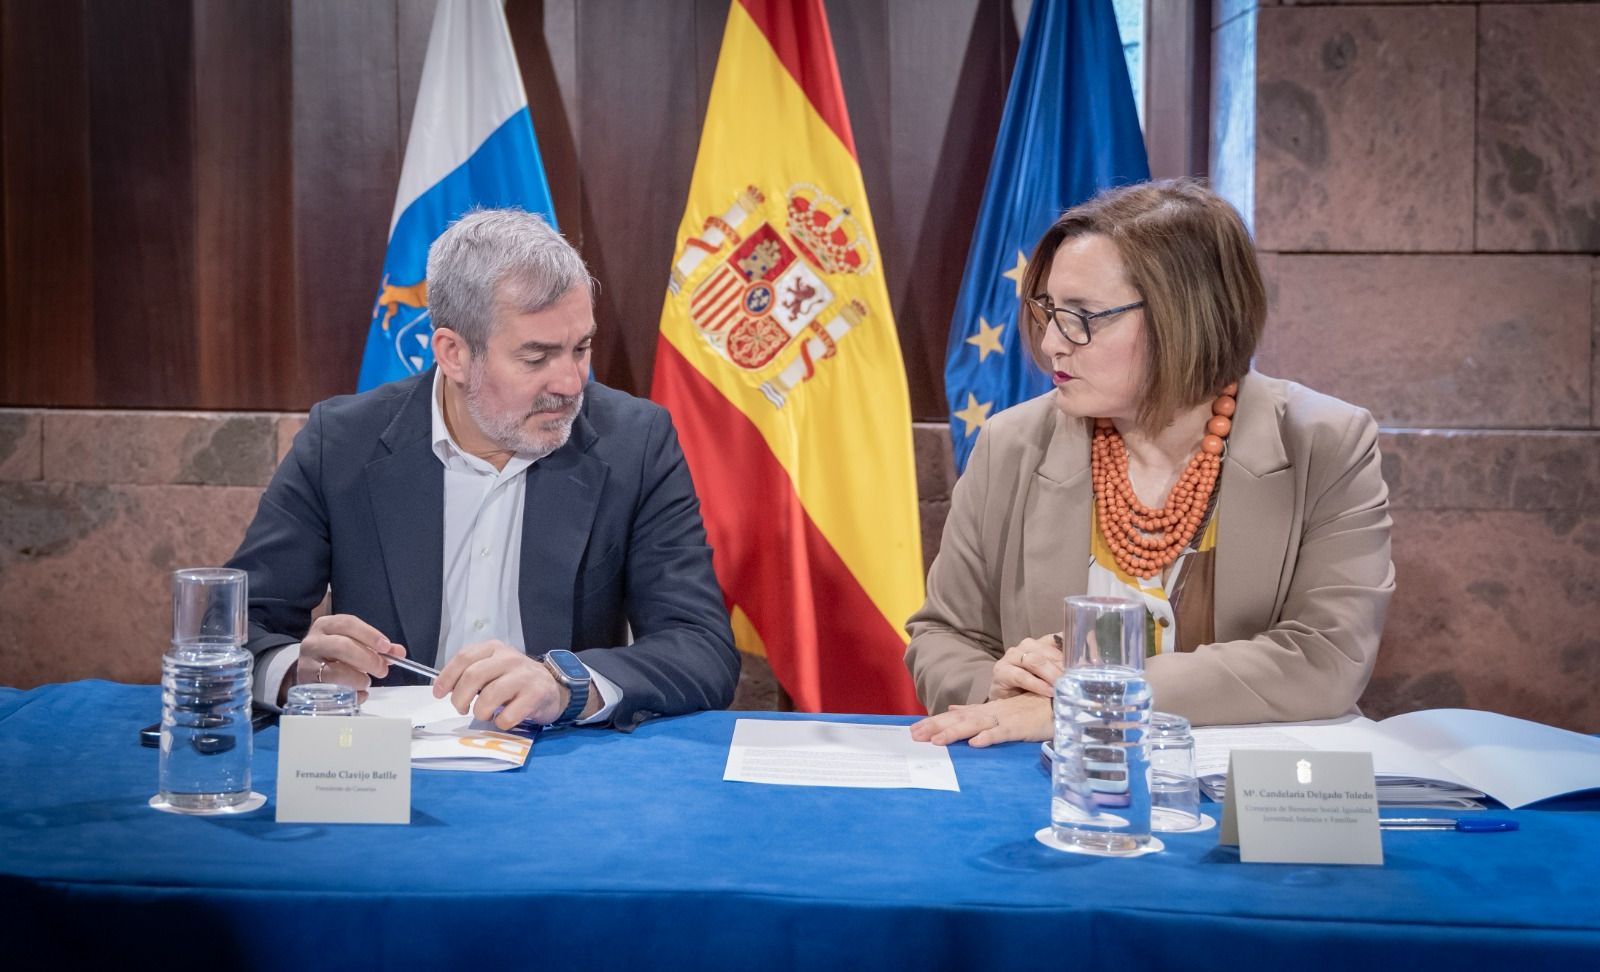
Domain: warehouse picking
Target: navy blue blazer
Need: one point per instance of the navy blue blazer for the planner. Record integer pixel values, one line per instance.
(611, 537)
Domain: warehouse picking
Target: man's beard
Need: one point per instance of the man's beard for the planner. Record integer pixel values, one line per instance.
(513, 433)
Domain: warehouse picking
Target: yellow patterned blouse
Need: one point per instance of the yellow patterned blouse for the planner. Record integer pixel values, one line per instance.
(1178, 601)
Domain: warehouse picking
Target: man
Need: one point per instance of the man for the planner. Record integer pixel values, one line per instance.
(494, 513)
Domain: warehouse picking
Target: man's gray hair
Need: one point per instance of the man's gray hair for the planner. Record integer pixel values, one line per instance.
(498, 257)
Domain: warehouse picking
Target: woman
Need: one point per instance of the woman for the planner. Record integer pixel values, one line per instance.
(1247, 513)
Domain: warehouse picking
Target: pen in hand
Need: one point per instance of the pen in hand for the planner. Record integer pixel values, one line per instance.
(433, 673)
(413, 666)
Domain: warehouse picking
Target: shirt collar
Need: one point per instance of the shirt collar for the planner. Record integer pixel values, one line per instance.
(449, 450)
(444, 444)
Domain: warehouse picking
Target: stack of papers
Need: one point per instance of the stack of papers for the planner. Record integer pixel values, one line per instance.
(1444, 758)
(443, 739)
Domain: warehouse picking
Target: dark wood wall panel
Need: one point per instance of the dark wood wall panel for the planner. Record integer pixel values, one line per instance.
(47, 342)
(951, 67)
(545, 33)
(346, 166)
(413, 24)
(861, 39)
(638, 68)
(197, 193)
(860, 32)
(141, 164)
(244, 232)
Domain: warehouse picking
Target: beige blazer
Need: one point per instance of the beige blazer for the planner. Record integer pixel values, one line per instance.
(1303, 574)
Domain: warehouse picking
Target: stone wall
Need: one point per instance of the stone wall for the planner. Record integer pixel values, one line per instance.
(98, 507)
(1424, 185)
(1497, 556)
(1497, 552)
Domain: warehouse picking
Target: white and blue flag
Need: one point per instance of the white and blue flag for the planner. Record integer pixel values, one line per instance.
(471, 145)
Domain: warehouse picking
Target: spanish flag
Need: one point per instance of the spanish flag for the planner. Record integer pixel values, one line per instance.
(779, 362)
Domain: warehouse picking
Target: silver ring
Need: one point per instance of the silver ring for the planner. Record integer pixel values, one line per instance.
(322, 666)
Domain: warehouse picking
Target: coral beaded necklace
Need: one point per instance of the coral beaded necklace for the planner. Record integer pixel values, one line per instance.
(1144, 540)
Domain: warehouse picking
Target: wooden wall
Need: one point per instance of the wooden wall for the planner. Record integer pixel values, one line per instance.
(195, 194)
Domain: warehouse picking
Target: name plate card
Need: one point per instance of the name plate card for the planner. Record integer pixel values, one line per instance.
(344, 769)
(1302, 807)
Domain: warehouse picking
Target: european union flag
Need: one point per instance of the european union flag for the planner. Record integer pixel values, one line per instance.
(1069, 130)
(471, 144)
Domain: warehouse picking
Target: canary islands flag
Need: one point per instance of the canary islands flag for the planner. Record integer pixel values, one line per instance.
(1070, 129)
(471, 144)
(779, 361)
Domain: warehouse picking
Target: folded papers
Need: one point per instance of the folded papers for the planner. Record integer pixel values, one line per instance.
(443, 739)
(1445, 758)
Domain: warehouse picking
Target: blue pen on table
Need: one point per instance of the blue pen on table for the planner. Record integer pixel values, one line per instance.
(1465, 825)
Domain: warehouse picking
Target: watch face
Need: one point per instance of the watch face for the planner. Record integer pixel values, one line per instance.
(569, 665)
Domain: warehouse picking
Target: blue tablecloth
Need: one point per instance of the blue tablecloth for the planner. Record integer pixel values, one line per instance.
(629, 851)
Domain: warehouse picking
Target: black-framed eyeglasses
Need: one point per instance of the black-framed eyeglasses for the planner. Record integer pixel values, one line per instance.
(1074, 327)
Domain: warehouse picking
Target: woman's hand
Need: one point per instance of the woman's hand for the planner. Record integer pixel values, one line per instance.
(1030, 668)
(1025, 716)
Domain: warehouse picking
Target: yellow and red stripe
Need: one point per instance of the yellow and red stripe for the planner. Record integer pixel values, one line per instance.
(811, 507)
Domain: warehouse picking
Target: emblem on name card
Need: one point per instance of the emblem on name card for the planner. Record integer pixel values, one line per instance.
(757, 289)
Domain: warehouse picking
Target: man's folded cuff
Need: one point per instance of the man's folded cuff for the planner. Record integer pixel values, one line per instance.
(610, 695)
(272, 666)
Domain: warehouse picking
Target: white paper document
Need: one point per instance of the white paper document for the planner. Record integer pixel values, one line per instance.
(442, 738)
(1391, 757)
(414, 702)
(1513, 760)
(1405, 777)
(1434, 757)
(807, 753)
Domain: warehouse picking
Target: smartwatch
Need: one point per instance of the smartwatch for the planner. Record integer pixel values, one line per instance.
(569, 671)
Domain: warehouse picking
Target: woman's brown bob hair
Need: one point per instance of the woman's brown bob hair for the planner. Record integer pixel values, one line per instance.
(1188, 254)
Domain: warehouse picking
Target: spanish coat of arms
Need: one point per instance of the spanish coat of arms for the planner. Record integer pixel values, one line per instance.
(765, 292)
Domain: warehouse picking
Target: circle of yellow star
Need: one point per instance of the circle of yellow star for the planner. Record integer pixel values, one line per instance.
(975, 414)
(987, 339)
(1015, 273)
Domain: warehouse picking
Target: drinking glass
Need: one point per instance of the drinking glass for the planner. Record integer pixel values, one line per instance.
(1174, 790)
(321, 699)
(208, 606)
(1100, 789)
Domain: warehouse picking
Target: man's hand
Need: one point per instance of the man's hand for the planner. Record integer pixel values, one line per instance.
(345, 649)
(1025, 716)
(1031, 667)
(508, 685)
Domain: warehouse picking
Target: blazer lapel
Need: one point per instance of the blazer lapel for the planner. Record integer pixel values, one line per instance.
(407, 492)
(1255, 514)
(563, 493)
(1056, 528)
